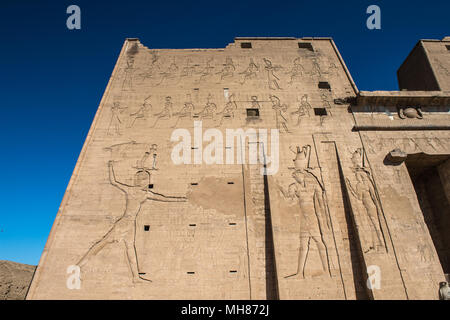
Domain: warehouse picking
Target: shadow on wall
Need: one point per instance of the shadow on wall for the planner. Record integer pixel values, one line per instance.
(429, 174)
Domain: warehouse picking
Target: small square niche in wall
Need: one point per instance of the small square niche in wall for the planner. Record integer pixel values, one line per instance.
(306, 45)
(448, 47)
(324, 85)
(246, 45)
(320, 111)
(252, 113)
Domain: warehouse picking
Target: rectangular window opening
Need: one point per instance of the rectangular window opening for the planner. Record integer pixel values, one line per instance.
(448, 47)
(194, 184)
(253, 113)
(150, 186)
(306, 45)
(232, 223)
(190, 272)
(233, 271)
(320, 111)
(192, 225)
(146, 227)
(324, 85)
(246, 45)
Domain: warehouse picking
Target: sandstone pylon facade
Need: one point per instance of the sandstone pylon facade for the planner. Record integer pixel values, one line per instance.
(361, 186)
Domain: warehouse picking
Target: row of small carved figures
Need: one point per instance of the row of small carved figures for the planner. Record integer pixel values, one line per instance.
(229, 68)
(209, 111)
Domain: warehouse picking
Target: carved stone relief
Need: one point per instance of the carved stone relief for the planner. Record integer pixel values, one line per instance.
(171, 72)
(166, 112)
(281, 115)
(333, 69)
(142, 113)
(308, 191)
(407, 145)
(207, 71)
(368, 214)
(228, 111)
(118, 119)
(304, 110)
(272, 78)
(410, 112)
(151, 67)
(209, 110)
(128, 72)
(297, 71)
(187, 111)
(188, 70)
(227, 70)
(123, 231)
(316, 71)
(250, 73)
(170, 76)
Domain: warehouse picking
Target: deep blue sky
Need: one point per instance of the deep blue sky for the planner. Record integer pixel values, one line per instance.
(52, 79)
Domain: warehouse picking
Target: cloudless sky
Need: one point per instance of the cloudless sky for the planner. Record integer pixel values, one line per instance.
(52, 78)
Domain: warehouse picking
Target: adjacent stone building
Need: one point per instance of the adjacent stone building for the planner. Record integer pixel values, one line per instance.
(355, 183)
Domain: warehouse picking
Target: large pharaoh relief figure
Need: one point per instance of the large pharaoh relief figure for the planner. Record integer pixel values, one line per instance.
(135, 192)
(368, 213)
(307, 191)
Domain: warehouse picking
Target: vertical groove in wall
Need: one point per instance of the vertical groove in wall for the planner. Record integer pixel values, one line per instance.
(246, 226)
(271, 268)
(331, 220)
(358, 264)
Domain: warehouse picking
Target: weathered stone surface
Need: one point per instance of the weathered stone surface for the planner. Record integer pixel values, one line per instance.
(427, 67)
(396, 157)
(332, 212)
(15, 279)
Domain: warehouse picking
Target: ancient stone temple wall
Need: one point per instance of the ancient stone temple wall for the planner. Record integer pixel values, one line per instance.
(310, 205)
(420, 137)
(427, 67)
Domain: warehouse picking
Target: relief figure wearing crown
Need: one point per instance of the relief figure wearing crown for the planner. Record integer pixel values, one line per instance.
(123, 230)
(368, 216)
(308, 191)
